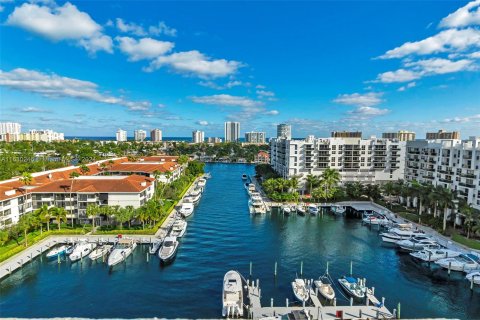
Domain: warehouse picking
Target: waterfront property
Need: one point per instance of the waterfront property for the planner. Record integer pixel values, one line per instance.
(223, 236)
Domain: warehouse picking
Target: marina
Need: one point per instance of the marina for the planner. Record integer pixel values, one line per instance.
(223, 236)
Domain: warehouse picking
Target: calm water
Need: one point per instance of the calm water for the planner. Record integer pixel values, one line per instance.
(222, 235)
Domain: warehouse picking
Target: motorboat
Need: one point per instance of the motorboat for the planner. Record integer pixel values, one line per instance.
(155, 246)
(201, 182)
(250, 188)
(100, 252)
(169, 249)
(397, 234)
(122, 249)
(57, 251)
(325, 288)
(186, 209)
(300, 290)
(353, 287)
(256, 206)
(83, 249)
(313, 209)
(416, 243)
(432, 255)
(464, 262)
(301, 209)
(193, 198)
(195, 192)
(244, 176)
(474, 276)
(338, 209)
(178, 229)
(286, 209)
(232, 295)
(373, 219)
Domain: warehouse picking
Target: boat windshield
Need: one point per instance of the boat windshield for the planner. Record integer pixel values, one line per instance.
(168, 243)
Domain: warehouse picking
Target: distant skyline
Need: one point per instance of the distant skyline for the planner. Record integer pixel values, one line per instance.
(87, 68)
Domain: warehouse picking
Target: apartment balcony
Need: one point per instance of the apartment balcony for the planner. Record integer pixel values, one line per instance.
(445, 180)
(413, 152)
(467, 185)
(468, 175)
(429, 177)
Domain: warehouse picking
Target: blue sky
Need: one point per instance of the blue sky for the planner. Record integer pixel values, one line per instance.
(89, 67)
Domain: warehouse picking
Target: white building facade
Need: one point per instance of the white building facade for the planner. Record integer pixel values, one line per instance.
(255, 137)
(232, 131)
(10, 127)
(198, 136)
(121, 135)
(284, 131)
(139, 135)
(156, 135)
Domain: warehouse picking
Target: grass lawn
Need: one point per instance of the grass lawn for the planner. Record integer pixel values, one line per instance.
(471, 243)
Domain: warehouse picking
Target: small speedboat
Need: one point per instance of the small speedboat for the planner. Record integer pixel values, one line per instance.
(100, 252)
(325, 288)
(397, 234)
(244, 176)
(353, 287)
(475, 276)
(168, 250)
(286, 209)
(82, 250)
(464, 262)
(313, 209)
(155, 246)
(416, 243)
(338, 210)
(432, 255)
(301, 290)
(122, 249)
(193, 198)
(232, 295)
(57, 251)
(186, 209)
(201, 183)
(178, 229)
(301, 209)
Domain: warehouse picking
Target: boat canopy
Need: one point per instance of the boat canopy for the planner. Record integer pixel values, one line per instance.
(351, 280)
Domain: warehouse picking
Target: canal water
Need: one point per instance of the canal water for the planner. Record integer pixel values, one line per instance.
(221, 235)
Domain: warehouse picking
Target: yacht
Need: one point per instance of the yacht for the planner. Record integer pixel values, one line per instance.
(201, 182)
(373, 219)
(250, 188)
(353, 287)
(186, 209)
(432, 255)
(397, 234)
(244, 176)
(313, 209)
(232, 295)
(301, 290)
(301, 210)
(416, 243)
(122, 249)
(168, 250)
(193, 198)
(155, 246)
(338, 210)
(256, 205)
(464, 262)
(286, 209)
(57, 251)
(325, 288)
(178, 229)
(100, 252)
(475, 276)
(83, 249)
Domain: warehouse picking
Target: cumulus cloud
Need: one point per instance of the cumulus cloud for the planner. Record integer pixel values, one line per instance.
(474, 118)
(228, 100)
(136, 29)
(196, 63)
(61, 23)
(228, 85)
(34, 110)
(131, 27)
(369, 111)
(465, 16)
(162, 28)
(145, 48)
(265, 93)
(202, 123)
(272, 113)
(407, 86)
(357, 99)
(55, 86)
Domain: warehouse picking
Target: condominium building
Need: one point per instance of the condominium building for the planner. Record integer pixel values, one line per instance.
(232, 131)
(400, 135)
(284, 131)
(42, 135)
(454, 164)
(121, 135)
(214, 140)
(156, 135)
(255, 137)
(364, 160)
(140, 135)
(10, 127)
(198, 136)
(346, 134)
(441, 134)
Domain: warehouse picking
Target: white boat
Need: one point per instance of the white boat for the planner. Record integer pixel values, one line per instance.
(169, 249)
(256, 206)
(100, 252)
(475, 276)
(195, 192)
(313, 209)
(250, 188)
(300, 290)
(338, 209)
(193, 198)
(57, 251)
(373, 219)
(286, 209)
(397, 234)
(432, 255)
(353, 287)
(186, 209)
(301, 210)
(416, 243)
(83, 249)
(325, 288)
(155, 246)
(464, 262)
(201, 183)
(232, 295)
(122, 249)
(178, 229)
(244, 176)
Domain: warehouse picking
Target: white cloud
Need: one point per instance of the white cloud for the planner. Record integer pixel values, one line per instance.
(474, 118)
(259, 86)
(400, 75)
(54, 86)
(265, 93)
(162, 28)
(465, 16)
(474, 55)
(34, 110)
(196, 63)
(228, 85)
(440, 66)
(451, 40)
(357, 99)
(132, 28)
(202, 123)
(228, 100)
(368, 111)
(145, 48)
(407, 86)
(139, 30)
(272, 113)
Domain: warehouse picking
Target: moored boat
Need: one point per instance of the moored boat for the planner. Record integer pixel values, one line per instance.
(416, 243)
(397, 234)
(122, 249)
(100, 252)
(474, 276)
(232, 295)
(244, 176)
(464, 262)
(432, 255)
(201, 182)
(353, 287)
(325, 288)
(313, 209)
(82, 250)
(301, 210)
(300, 290)
(169, 249)
(286, 209)
(155, 246)
(186, 209)
(178, 229)
(57, 251)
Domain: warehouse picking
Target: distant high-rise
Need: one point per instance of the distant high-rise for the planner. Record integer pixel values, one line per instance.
(140, 135)
(255, 137)
(284, 131)
(400, 135)
(214, 140)
(198, 136)
(156, 135)
(443, 135)
(10, 127)
(121, 135)
(232, 131)
(346, 134)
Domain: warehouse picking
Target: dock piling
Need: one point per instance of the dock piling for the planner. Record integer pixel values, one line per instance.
(360, 314)
(327, 269)
(301, 268)
(334, 302)
(373, 291)
(286, 302)
(471, 282)
(398, 311)
(351, 268)
(147, 256)
(250, 268)
(258, 283)
(58, 259)
(271, 302)
(449, 267)
(275, 272)
(383, 301)
(351, 301)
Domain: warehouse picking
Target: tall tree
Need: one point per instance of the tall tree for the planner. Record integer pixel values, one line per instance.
(60, 214)
(446, 201)
(73, 175)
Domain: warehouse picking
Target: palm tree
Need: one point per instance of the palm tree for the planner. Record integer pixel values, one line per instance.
(84, 169)
(130, 210)
(73, 176)
(389, 190)
(373, 191)
(434, 198)
(471, 217)
(330, 178)
(25, 223)
(26, 179)
(312, 182)
(60, 214)
(446, 201)
(43, 215)
(354, 190)
(92, 212)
